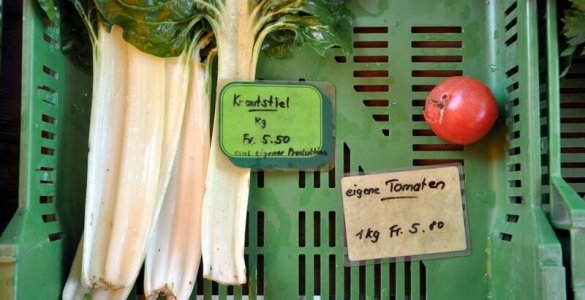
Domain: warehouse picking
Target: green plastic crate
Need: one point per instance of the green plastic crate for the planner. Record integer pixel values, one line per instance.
(295, 245)
(36, 247)
(563, 114)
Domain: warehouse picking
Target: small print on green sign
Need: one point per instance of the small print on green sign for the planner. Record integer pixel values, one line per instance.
(275, 125)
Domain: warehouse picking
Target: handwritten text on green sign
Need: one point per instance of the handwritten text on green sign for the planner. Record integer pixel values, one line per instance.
(271, 121)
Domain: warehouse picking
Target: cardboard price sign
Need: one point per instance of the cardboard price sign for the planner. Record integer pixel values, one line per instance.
(413, 213)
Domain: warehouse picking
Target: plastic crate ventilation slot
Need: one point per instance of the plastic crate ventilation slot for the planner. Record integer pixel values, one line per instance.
(48, 96)
(573, 127)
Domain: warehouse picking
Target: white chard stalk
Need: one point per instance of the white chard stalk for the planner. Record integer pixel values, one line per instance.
(173, 257)
(240, 28)
(226, 199)
(135, 124)
(177, 84)
(107, 117)
(130, 155)
(75, 289)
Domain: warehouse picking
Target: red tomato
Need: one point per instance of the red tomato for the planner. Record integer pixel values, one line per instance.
(460, 110)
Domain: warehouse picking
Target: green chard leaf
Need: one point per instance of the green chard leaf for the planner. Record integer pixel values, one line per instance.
(572, 36)
(163, 40)
(277, 44)
(574, 27)
(320, 24)
(333, 26)
(159, 27)
(574, 30)
(579, 5)
(147, 11)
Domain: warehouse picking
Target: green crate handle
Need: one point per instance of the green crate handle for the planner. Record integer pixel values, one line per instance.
(567, 208)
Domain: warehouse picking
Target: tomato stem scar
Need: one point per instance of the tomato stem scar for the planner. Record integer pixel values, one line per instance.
(441, 104)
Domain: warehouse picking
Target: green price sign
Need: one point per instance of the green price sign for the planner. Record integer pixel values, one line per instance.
(275, 125)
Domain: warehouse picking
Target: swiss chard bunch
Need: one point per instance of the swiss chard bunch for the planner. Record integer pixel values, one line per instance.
(148, 76)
